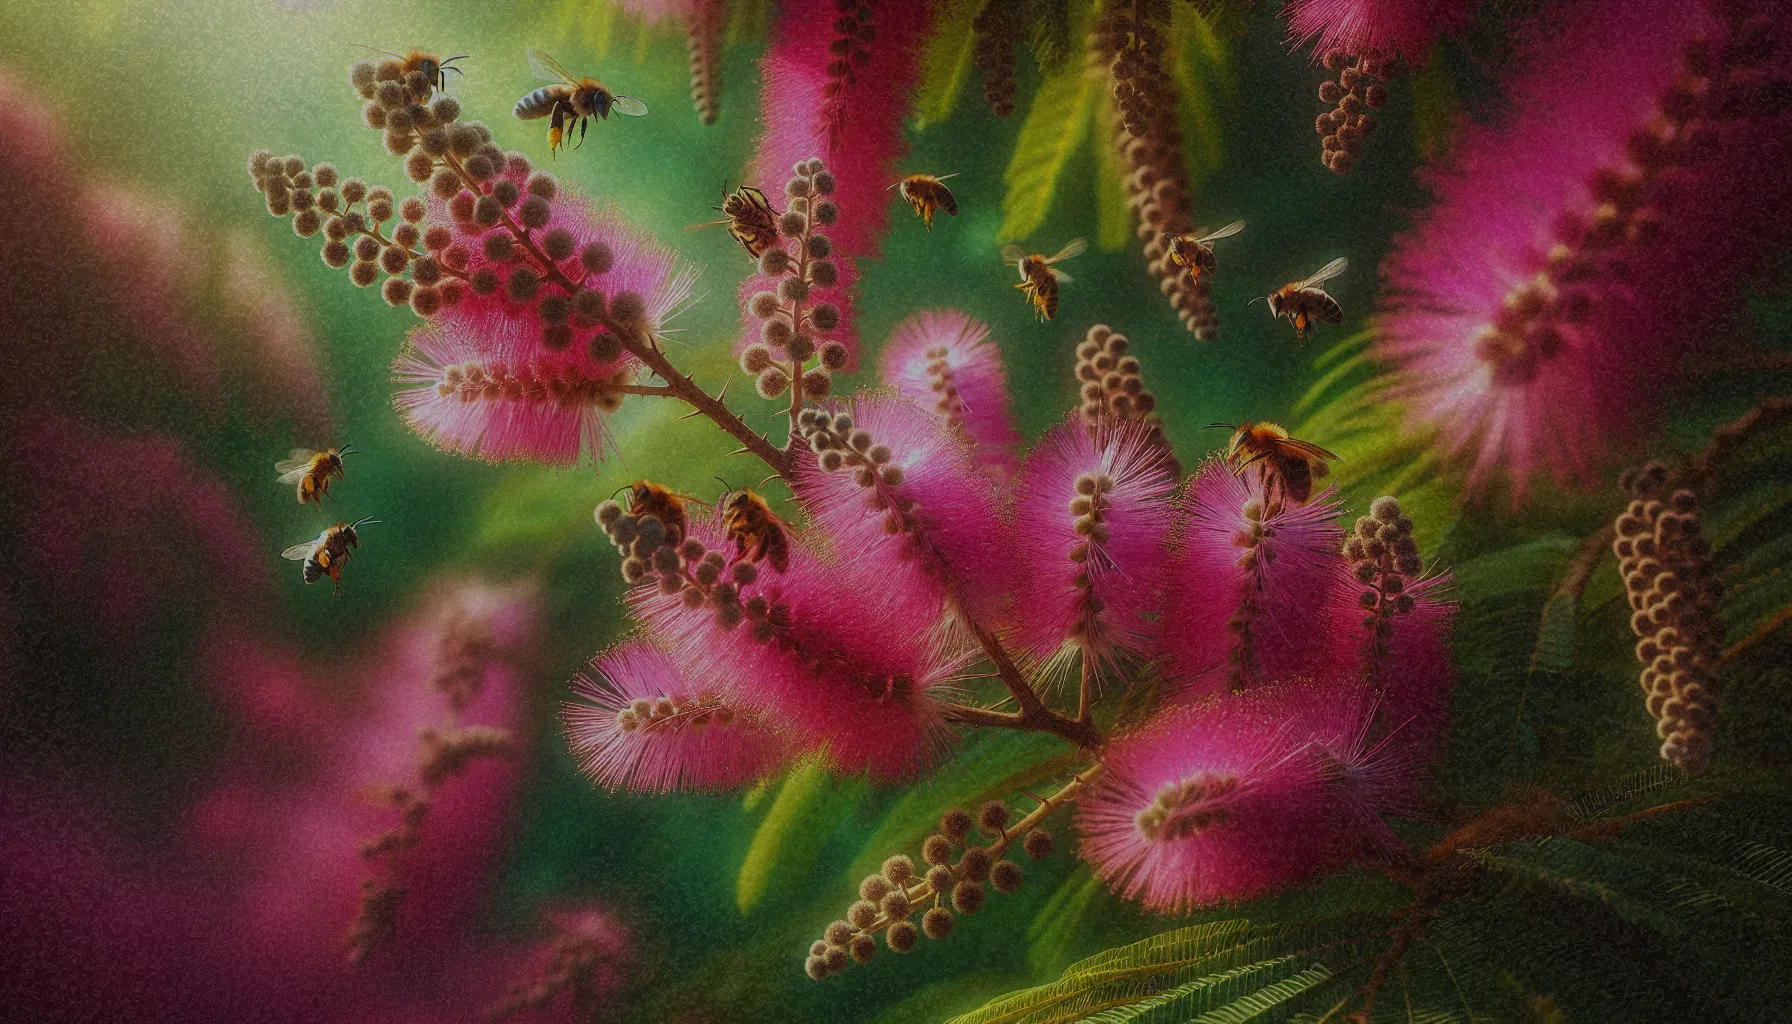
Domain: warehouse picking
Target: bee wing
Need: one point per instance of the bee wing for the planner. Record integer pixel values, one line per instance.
(705, 224)
(1310, 450)
(298, 458)
(1226, 232)
(1062, 277)
(293, 476)
(299, 552)
(1074, 247)
(1012, 253)
(630, 106)
(1326, 273)
(548, 69)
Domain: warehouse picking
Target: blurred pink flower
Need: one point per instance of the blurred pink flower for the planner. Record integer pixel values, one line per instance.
(642, 724)
(943, 360)
(1403, 28)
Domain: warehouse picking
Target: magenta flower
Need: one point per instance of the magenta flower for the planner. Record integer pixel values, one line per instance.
(1535, 310)
(840, 96)
(513, 364)
(644, 725)
(1387, 28)
(1247, 591)
(943, 360)
(1092, 514)
(1210, 802)
(838, 662)
(888, 483)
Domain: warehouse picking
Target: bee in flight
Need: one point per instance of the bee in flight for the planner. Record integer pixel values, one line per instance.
(1286, 466)
(1303, 302)
(755, 530)
(327, 555)
(434, 68)
(310, 472)
(1196, 254)
(926, 194)
(569, 100)
(646, 498)
(1039, 279)
(750, 219)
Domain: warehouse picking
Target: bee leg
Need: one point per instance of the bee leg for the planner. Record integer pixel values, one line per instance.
(584, 123)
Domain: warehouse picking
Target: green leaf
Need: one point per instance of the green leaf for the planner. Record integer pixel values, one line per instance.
(747, 20)
(1267, 999)
(802, 787)
(1054, 130)
(1534, 565)
(1113, 217)
(946, 63)
(1050, 935)
(1197, 62)
(1433, 108)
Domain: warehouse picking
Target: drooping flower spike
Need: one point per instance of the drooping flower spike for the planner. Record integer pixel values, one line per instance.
(943, 360)
(1535, 313)
(1092, 512)
(1248, 586)
(643, 725)
(703, 22)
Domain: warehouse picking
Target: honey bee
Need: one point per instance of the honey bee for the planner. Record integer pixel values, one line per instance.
(750, 219)
(329, 552)
(434, 68)
(647, 498)
(1286, 466)
(311, 471)
(1303, 302)
(1196, 254)
(569, 100)
(1039, 279)
(755, 530)
(925, 193)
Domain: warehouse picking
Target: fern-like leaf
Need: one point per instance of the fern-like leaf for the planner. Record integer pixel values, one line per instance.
(1056, 125)
(946, 63)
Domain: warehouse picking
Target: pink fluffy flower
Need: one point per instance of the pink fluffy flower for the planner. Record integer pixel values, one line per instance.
(1403, 28)
(644, 725)
(892, 487)
(836, 661)
(1247, 597)
(1092, 514)
(1211, 802)
(943, 360)
(1535, 311)
(819, 99)
(515, 367)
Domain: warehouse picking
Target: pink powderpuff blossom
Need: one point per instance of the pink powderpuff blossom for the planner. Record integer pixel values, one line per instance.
(1092, 514)
(943, 360)
(836, 661)
(643, 725)
(1535, 312)
(515, 367)
(817, 101)
(1387, 28)
(893, 489)
(1205, 803)
(1246, 602)
(1412, 673)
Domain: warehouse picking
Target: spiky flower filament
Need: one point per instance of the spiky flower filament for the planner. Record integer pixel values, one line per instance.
(890, 898)
(1112, 388)
(1674, 594)
(703, 27)
(1356, 92)
(1384, 559)
(1128, 42)
(792, 326)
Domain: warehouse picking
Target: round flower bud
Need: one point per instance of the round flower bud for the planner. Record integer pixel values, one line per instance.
(418, 166)
(406, 235)
(607, 512)
(816, 968)
(522, 284)
(413, 209)
(558, 244)
(393, 260)
(955, 824)
(605, 347)
(1038, 844)
(335, 254)
(426, 270)
(446, 185)
(837, 933)
(301, 180)
(834, 356)
(791, 224)
(396, 292)
(479, 167)
(894, 904)
(463, 140)
(1004, 876)
(329, 200)
(555, 308)
(774, 261)
(389, 95)
(796, 188)
(817, 384)
(937, 923)
(874, 888)
(498, 247)
(535, 212)
(901, 937)
(445, 110)
(486, 211)
(363, 273)
(627, 308)
(755, 358)
(367, 248)
(587, 307)
(544, 185)
(826, 212)
(353, 190)
(456, 256)
(937, 850)
(899, 868)
(426, 301)
(518, 165)
(825, 316)
(301, 199)
(967, 897)
(434, 143)
(484, 281)
(793, 289)
(862, 914)
(974, 865)
(360, 75)
(824, 273)
(820, 247)
(596, 257)
(1385, 509)
(744, 573)
(396, 141)
(862, 948)
(307, 223)
(940, 877)
(824, 183)
(992, 817)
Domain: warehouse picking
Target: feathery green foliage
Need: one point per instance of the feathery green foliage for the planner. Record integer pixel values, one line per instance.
(1055, 127)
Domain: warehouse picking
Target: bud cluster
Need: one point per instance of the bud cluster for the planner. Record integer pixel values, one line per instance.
(581, 960)
(1149, 138)
(534, 381)
(888, 899)
(792, 325)
(1089, 511)
(1674, 594)
(995, 32)
(841, 447)
(1111, 387)
(1722, 84)
(667, 558)
(1357, 91)
(1384, 558)
(853, 33)
(1184, 808)
(703, 28)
